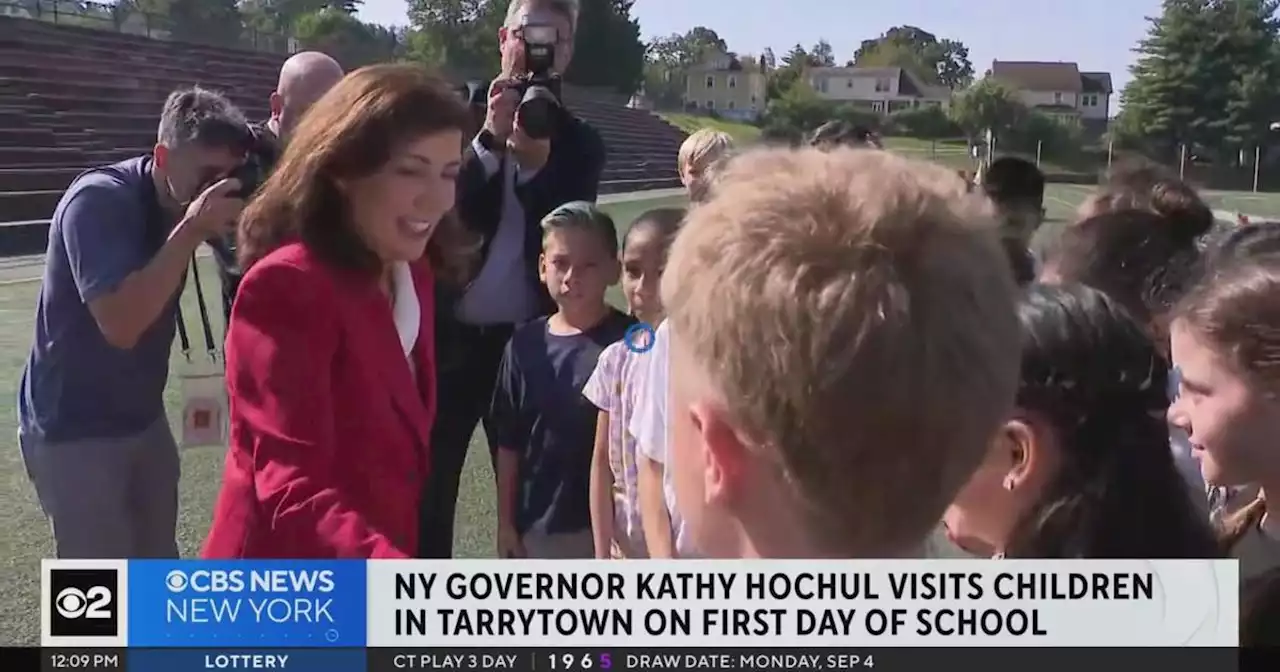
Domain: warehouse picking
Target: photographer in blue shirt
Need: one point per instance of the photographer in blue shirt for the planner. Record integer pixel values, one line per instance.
(92, 425)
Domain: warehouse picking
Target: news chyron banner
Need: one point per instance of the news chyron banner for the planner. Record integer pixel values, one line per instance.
(341, 616)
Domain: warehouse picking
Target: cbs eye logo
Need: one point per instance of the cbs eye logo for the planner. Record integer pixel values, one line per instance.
(83, 603)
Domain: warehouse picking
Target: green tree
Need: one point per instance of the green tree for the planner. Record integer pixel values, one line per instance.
(788, 73)
(352, 42)
(795, 112)
(459, 34)
(607, 47)
(936, 61)
(1207, 75)
(930, 122)
(822, 55)
(207, 21)
(987, 104)
(1254, 97)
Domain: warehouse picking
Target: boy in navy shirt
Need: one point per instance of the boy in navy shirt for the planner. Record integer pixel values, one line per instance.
(544, 427)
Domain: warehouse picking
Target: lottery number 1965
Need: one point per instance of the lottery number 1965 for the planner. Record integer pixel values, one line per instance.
(587, 661)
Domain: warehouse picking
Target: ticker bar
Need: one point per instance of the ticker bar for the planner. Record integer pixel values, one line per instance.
(869, 659)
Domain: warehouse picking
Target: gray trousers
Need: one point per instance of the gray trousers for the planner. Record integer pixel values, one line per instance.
(109, 498)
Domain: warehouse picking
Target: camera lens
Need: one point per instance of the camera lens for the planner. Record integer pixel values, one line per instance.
(537, 112)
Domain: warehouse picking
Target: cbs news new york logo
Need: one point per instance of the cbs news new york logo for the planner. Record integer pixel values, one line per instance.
(83, 602)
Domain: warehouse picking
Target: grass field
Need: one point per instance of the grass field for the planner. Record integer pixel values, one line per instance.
(24, 534)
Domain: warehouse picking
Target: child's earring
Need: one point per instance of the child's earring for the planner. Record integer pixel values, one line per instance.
(1008, 484)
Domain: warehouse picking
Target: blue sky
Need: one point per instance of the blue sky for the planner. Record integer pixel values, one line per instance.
(1099, 35)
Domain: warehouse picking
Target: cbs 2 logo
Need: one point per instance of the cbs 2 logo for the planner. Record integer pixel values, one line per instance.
(76, 603)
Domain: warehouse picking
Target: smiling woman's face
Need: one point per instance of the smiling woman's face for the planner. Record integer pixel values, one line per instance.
(397, 208)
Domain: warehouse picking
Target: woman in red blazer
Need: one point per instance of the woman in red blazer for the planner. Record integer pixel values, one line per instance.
(330, 350)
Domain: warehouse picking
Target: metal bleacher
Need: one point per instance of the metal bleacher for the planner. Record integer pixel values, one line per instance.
(72, 98)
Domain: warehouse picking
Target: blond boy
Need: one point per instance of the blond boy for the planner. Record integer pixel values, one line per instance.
(698, 154)
(843, 346)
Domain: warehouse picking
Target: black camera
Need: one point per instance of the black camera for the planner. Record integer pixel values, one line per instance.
(251, 175)
(260, 155)
(540, 88)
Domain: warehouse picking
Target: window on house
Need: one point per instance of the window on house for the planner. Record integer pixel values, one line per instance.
(711, 104)
(731, 105)
(1057, 97)
(822, 85)
(733, 82)
(883, 84)
(711, 82)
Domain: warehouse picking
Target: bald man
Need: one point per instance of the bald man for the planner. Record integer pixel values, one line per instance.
(304, 78)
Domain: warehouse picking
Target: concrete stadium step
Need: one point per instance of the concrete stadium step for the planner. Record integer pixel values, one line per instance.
(14, 137)
(33, 156)
(78, 83)
(143, 52)
(90, 98)
(63, 157)
(112, 69)
(28, 205)
(139, 106)
(62, 32)
(37, 179)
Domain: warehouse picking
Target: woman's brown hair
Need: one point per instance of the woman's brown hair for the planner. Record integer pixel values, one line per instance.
(1237, 313)
(348, 134)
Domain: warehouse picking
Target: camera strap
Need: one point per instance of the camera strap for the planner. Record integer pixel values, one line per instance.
(206, 326)
(157, 232)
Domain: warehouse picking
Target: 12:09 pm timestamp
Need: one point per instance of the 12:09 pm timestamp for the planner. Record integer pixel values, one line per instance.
(57, 660)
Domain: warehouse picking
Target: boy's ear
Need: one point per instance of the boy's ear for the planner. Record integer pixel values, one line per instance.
(724, 452)
(542, 267)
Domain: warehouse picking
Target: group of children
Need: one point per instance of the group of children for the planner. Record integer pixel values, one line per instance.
(841, 352)
(579, 427)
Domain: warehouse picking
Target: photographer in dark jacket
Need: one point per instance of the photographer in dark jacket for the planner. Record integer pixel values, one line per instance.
(531, 156)
(304, 78)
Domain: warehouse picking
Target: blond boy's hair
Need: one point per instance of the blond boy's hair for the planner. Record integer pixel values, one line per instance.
(703, 148)
(854, 312)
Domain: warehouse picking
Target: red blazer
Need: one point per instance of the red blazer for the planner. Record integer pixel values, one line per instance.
(329, 429)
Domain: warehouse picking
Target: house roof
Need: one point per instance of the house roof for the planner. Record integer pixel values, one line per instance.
(908, 83)
(1096, 82)
(726, 62)
(1039, 75)
(856, 71)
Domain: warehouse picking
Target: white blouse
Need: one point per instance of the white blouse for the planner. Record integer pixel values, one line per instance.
(406, 310)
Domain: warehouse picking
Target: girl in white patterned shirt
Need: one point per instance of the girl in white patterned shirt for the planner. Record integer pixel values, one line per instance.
(615, 508)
